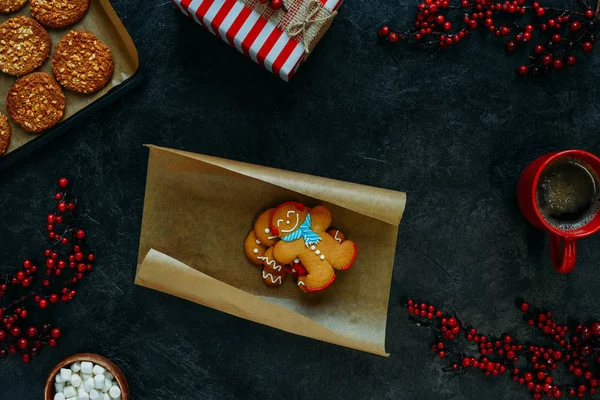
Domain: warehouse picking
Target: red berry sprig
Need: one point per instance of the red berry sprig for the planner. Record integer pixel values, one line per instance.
(529, 365)
(567, 31)
(31, 290)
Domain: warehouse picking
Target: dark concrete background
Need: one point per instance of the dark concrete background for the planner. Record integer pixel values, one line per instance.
(453, 131)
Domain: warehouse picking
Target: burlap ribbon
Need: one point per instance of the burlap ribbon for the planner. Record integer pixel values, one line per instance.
(310, 23)
(304, 20)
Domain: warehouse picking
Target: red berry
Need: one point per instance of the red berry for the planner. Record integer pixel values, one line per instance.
(22, 343)
(25, 357)
(596, 329)
(442, 354)
(62, 206)
(276, 4)
(587, 47)
(540, 11)
(556, 38)
(589, 14)
(384, 31)
(504, 31)
(440, 19)
(556, 64)
(472, 24)
(528, 28)
(53, 298)
(63, 183)
(15, 331)
(55, 333)
(393, 37)
(52, 342)
(447, 26)
(511, 46)
(32, 331)
(43, 302)
(575, 26)
(80, 234)
(538, 49)
(546, 60)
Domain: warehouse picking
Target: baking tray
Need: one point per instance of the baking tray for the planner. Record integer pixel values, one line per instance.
(101, 20)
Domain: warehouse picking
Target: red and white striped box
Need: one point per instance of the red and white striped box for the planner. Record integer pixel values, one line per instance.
(263, 34)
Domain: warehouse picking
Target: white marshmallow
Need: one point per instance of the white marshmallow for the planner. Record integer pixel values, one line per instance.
(115, 392)
(107, 385)
(109, 376)
(58, 379)
(76, 367)
(59, 387)
(88, 385)
(70, 391)
(85, 377)
(59, 396)
(82, 395)
(99, 382)
(98, 370)
(87, 367)
(106, 396)
(65, 374)
(95, 395)
(72, 398)
(76, 380)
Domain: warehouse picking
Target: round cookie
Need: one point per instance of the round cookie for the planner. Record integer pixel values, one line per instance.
(58, 13)
(9, 6)
(82, 63)
(36, 102)
(24, 46)
(4, 134)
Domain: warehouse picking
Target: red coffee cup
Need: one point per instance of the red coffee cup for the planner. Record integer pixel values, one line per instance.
(562, 241)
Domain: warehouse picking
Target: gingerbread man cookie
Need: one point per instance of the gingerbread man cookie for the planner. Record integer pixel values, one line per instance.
(303, 237)
(259, 250)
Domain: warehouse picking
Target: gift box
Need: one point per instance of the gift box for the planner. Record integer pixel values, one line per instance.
(278, 40)
(198, 211)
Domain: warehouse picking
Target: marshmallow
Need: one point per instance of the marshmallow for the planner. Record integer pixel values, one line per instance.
(59, 396)
(76, 380)
(65, 374)
(59, 387)
(109, 376)
(115, 392)
(106, 396)
(107, 385)
(85, 377)
(99, 382)
(95, 395)
(70, 391)
(82, 395)
(58, 379)
(98, 370)
(88, 385)
(87, 367)
(72, 398)
(76, 367)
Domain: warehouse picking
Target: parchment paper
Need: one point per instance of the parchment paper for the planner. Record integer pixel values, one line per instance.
(102, 21)
(197, 212)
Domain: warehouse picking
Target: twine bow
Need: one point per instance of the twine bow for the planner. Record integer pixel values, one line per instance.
(313, 8)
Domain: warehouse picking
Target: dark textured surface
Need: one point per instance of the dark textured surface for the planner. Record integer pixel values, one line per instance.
(453, 131)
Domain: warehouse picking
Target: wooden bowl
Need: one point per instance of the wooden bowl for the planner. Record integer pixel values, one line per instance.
(111, 367)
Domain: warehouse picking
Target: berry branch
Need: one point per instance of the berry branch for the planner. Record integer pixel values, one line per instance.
(25, 294)
(561, 31)
(531, 365)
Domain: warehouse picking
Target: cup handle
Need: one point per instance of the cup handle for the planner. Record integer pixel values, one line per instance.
(563, 254)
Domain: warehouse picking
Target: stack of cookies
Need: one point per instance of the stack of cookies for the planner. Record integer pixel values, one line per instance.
(80, 63)
(293, 239)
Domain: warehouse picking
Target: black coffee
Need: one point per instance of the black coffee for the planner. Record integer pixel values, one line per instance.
(568, 194)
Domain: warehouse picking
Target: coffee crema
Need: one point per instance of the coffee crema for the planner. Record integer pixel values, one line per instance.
(568, 194)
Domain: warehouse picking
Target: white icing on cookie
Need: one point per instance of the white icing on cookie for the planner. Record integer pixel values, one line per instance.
(296, 261)
(257, 241)
(269, 262)
(336, 237)
(267, 230)
(271, 277)
(255, 251)
(312, 247)
(322, 257)
(318, 252)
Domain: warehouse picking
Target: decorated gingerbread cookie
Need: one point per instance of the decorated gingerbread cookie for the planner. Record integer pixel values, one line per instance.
(304, 237)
